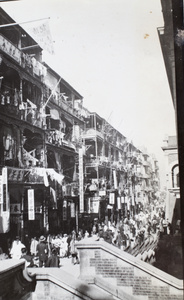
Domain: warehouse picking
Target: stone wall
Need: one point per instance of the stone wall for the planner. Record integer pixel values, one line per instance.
(125, 276)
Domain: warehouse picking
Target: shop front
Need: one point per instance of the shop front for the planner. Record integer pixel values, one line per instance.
(31, 196)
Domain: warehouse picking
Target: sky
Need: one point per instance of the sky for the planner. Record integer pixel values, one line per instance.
(109, 51)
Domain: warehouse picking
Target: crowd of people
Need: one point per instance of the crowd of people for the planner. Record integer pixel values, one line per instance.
(48, 251)
(45, 251)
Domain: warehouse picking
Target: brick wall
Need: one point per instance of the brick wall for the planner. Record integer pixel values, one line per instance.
(126, 276)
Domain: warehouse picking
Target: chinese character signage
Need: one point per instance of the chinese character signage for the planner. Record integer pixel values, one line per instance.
(81, 181)
(111, 198)
(72, 210)
(10, 49)
(115, 179)
(94, 208)
(31, 204)
(4, 200)
(119, 202)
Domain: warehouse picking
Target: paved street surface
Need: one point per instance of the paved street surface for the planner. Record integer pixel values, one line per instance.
(67, 266)
(66, 263)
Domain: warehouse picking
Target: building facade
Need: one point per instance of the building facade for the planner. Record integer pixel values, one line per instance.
(173, 212)
(61, 165)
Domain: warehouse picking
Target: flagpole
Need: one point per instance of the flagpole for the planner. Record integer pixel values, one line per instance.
(19, 23)
(51, 94)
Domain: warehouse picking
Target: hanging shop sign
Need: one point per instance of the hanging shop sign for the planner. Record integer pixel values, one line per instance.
(111, 198)
(25, 60)
(102, 193)
(16, 175)
(122, 199)
(31, 204)
(115, 179)
(33, 175)
(118, 202)
(10, 49)
(94, 205)
(4, 200)
(81, 181)
(64, 213)
(72, 210)
(1, 189)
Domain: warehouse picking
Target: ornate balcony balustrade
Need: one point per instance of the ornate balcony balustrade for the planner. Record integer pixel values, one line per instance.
(11, 104)
(92, 133)
(56, 137)
(30, 64)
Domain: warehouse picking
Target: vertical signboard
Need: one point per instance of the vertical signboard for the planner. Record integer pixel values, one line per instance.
(115, 179)
(111, 198)
(72, 210)
(4, 201)
(1, 189)
(81, 181)
(64, 210)
(118, 202)
(31, 205)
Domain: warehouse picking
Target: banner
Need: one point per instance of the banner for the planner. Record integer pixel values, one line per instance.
(4, 200)
(81, 181)
(115, 179)
(111, 198)
(31, 205)
(94, 205)
(42, 35)
(118, 202)
(72, 210)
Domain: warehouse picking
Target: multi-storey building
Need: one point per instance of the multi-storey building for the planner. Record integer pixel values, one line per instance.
(172, 179)
(171, 40)
(120, 179)
(40, 129)
(61, 165)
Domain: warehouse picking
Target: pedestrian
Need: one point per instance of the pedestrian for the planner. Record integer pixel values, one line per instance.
(68, 247)
(33, 246)
(15, 251)
(28, 258)
(53, 260)
(27, 243)
(42, 251)
(75, 259)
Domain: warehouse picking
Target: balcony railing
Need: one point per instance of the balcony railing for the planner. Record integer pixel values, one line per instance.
(104, 161)
(56, 137)
(91, 132)
(30, 64)
(10, 105)
(67, 106)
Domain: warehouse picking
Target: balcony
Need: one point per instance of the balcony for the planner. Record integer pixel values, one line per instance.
(10, 105)
(59, 99)
(92, 133)
(28, 63)
(56, 137)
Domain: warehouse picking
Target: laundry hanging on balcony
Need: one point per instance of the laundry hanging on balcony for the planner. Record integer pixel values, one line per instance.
(55, 176)
(54, 114)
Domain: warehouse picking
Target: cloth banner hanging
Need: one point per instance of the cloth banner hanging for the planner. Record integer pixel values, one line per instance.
(42, 35)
